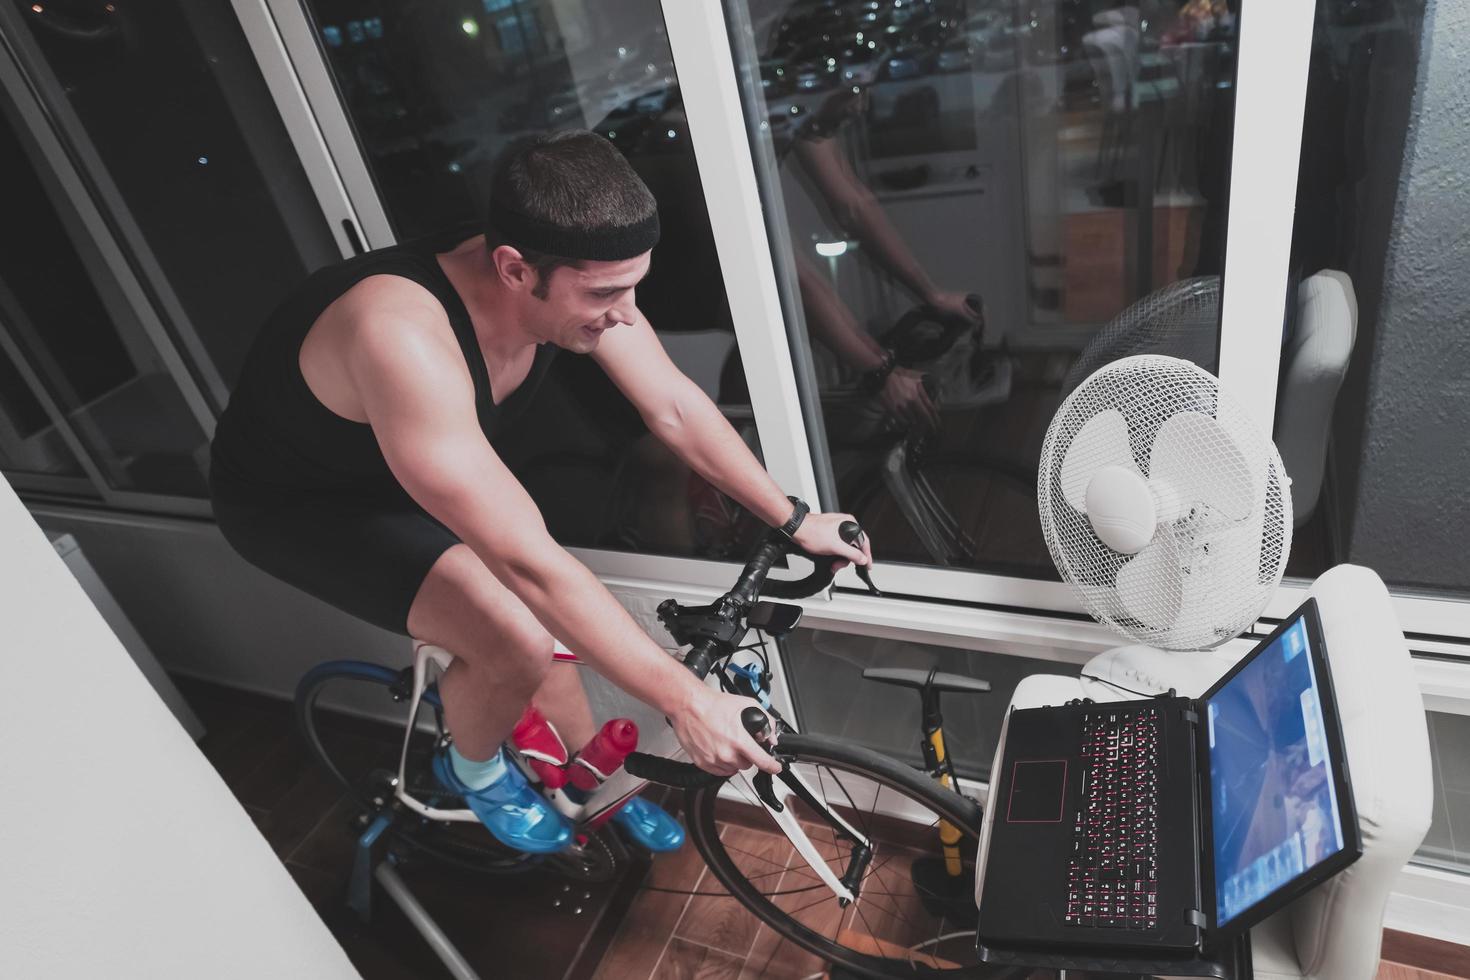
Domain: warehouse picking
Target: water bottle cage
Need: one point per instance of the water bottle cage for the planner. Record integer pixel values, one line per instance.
(751, 681)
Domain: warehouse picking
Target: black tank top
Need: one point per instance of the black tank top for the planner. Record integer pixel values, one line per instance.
(275, 438)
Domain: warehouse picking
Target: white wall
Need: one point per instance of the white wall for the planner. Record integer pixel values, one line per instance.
(124, 853)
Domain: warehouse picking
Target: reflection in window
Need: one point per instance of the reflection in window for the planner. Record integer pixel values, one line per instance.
(29, 443)
(1448, 842)
(973, 189)
(1372, 399)
(173, 103)
(434, 100)
(94, 361)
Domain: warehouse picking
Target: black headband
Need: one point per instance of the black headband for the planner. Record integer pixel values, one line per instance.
(596, 244)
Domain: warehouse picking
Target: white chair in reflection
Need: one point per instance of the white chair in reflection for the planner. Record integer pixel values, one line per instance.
(1314, 362)
(1112, 51)
(1183, 320)
(1334, 931)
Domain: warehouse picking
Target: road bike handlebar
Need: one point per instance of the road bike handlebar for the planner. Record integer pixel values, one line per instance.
(731, 608)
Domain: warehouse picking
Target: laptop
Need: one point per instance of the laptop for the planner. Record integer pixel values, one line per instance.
(1170, 824)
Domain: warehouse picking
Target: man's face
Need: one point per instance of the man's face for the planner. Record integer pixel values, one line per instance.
(582, 302)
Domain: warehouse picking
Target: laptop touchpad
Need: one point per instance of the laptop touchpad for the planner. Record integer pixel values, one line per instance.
(1037, 788)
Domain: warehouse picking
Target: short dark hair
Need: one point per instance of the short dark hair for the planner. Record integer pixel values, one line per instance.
(571, 178)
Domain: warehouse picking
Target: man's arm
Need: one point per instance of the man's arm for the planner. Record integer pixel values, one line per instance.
(682, 416)
(419, 399)
(858, 211)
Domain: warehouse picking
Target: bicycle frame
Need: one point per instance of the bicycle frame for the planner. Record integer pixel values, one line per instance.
(620, 785)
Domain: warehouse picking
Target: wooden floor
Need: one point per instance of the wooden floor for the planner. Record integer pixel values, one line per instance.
(643, 924)
(533, 925)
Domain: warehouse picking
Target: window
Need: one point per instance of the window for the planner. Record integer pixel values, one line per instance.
(165, 109)
(1373, 397)
(434, 99)
(978, 188)
(833, 698)
(1448, 841)
(89, 358)
(29, 442)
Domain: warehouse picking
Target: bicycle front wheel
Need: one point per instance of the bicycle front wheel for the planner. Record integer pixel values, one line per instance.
(911, 918)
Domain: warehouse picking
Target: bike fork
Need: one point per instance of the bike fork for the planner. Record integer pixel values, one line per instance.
(845, 888)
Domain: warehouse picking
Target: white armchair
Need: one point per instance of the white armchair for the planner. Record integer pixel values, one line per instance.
(1333, 932)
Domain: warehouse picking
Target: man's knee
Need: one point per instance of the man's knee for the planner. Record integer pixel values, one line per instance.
(509, 642)
(527, 649)
(463, 608)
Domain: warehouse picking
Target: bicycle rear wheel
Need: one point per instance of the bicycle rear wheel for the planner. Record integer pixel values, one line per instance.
(898, 927)
(353, 715)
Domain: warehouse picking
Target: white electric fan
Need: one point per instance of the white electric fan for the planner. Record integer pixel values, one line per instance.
(1164, 505)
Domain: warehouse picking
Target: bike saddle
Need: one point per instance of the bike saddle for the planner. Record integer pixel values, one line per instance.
(919, 679)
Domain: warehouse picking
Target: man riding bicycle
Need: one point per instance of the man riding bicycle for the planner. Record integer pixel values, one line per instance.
(355, 461)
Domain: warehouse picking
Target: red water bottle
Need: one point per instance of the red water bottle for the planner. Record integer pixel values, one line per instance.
(540, 744)
(602, 756)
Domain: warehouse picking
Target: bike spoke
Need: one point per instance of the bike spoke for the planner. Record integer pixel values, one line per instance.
(827, 897)
(891, 908)
(758, 857)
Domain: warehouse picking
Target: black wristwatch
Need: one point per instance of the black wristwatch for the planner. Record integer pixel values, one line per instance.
(871, 382)
(797, 516)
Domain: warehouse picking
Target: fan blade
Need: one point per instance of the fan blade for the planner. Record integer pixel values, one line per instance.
(1195, 457)
(1150, 587)
(1229, 563)
(1103, 441)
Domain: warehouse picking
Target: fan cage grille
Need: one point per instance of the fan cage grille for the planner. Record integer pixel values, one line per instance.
(1222, 572)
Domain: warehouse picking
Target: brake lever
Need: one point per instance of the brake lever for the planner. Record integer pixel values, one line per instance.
(855, 536)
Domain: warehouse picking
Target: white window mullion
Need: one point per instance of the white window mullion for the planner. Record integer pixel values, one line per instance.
(284, 43)
(707, 81)
(299, 117)
(1270, 100)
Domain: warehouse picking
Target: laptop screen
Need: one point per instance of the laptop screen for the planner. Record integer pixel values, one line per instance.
(1274, 802)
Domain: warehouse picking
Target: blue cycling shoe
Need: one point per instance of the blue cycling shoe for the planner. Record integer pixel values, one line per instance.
(649, 825)
(510, 809)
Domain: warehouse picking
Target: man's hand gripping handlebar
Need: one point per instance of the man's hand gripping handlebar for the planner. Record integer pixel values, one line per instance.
(713, 633)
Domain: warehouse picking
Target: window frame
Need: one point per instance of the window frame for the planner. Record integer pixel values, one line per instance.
(122, 271)
(1272, 60)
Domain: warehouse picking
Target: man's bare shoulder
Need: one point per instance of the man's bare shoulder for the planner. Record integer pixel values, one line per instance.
(388, 299)
(401, 326)
(386, 336)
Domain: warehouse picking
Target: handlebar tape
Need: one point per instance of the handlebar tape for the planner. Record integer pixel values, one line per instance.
(821, 576)
(657, 769)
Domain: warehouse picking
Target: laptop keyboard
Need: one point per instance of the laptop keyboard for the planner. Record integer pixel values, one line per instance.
(1113, 875)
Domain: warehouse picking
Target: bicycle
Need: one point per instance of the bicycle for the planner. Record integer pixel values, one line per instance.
(855, 819)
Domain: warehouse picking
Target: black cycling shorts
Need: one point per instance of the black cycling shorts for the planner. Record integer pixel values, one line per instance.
(367, 556)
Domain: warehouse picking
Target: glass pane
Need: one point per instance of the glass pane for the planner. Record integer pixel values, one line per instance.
(100, 369)
(1059, 165)
(1373, 404)
(29, 443)
(435, 92)
(1448, 842)
(172, 99)
(833, 698)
